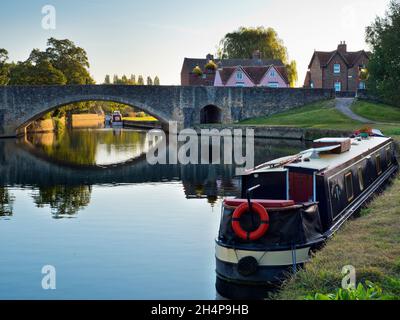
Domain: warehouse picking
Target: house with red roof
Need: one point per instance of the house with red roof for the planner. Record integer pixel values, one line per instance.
(234, 72)
(255, 76)
(339, 69)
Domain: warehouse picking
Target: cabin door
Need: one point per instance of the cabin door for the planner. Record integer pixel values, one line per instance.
(301, 187)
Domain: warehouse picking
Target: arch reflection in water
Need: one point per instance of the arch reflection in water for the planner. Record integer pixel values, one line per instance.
(91, 147)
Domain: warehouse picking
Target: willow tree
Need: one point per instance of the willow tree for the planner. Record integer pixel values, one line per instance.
(242, 43)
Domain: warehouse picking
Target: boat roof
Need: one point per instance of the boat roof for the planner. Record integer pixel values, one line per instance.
(320, 159)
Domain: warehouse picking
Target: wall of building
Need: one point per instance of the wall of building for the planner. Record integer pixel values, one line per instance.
(330, 78)
(277, 79)
(316, 73)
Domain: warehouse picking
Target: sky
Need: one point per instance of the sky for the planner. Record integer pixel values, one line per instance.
(152, 37)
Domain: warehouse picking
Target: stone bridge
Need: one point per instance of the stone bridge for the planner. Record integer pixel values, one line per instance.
(20, 105)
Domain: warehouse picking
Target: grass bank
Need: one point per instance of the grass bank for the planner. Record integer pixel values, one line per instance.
(376, 112)
(370, 243)
(324, 115)
(317, 115)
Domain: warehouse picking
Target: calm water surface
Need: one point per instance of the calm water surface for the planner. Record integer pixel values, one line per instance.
(114, 227)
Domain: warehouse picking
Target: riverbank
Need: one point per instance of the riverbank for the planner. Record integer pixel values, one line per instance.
(370, 243)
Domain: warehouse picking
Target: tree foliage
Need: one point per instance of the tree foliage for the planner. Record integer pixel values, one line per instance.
(107, 79)
(42, 73)
(156, 81)
(242, 43)
(4, 67)
(140, 80)
(384, 65)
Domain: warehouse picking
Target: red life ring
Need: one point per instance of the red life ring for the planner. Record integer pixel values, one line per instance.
(262, 228)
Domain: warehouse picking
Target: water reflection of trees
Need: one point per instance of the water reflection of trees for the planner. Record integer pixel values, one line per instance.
(64, 200)
(6, 202)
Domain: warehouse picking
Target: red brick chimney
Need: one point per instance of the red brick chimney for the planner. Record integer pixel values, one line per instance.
(257, 55)
(342, 47)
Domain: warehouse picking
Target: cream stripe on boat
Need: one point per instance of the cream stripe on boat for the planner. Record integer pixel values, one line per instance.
(270, 258)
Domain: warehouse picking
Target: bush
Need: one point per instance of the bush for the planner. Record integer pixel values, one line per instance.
(368, 292)
(211, 65)
(197, 71)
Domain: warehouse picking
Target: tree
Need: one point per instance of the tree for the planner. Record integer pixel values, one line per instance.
(149, 81)
(292, 71)
(4, 67)
(115, 79)
(133, 79)
(241, 44)
(65, 56)
(140, 81)
(384, 64)
(107, 79)
(156, 81)
(43, 73)
(124, 79)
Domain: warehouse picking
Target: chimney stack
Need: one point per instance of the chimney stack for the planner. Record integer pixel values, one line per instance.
(257, 55)
(342, 47)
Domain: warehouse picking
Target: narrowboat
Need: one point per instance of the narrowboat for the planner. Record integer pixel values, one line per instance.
(116, 119)
(292, 205)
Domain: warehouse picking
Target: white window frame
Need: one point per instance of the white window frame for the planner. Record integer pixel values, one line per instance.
(273, 85)
(239, 75)
(338, 86)
(336, 68)
(362, 85)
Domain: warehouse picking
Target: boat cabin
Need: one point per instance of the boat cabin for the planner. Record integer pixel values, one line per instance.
(334, 173)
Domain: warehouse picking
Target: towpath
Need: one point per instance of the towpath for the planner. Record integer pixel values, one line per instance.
(343, 105)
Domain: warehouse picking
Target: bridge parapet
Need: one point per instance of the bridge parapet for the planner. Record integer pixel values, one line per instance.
(20, 105)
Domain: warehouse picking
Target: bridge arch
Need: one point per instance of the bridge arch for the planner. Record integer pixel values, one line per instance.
(54, 104)
(210, 114)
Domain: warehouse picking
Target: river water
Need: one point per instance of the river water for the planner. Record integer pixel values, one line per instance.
(112, 225)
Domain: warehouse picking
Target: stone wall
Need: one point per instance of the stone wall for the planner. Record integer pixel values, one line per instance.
(286, 133)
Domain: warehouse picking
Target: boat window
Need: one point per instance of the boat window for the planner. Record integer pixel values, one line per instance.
(361, 178)
(349, 186)
(388, 156)
(378, 164)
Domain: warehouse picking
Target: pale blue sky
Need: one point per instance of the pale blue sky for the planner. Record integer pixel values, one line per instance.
(152, 37)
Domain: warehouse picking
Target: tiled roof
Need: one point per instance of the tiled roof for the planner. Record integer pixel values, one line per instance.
(190, 63)
(349, 57)
(256, 74)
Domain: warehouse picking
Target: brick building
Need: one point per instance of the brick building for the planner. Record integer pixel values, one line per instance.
(339, 69)
(207, 76)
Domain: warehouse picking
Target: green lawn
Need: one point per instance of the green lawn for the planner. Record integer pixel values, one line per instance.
(317, 115)
(376, 112)
(323, 115)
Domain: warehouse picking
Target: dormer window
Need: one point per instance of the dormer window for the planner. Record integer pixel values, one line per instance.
(239, 75)
(336, 68)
